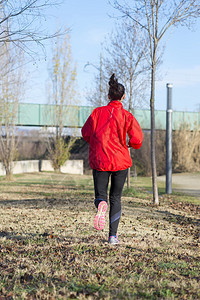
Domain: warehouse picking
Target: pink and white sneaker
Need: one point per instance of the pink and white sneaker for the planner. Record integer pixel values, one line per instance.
(99, 220)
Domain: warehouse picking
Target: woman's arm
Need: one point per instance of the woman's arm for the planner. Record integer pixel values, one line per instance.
(135, 134)
(87, 129)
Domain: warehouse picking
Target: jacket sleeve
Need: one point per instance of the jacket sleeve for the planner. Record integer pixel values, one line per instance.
(87, 129)
(135, 134)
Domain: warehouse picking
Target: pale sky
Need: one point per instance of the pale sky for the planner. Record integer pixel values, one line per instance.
(89, 23)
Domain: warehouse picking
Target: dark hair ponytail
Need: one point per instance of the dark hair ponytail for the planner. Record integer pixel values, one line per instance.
(116, 90)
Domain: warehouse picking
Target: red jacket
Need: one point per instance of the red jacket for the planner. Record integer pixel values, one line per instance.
(106, 130)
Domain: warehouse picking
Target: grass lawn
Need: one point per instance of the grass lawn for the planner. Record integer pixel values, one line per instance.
(50, 250)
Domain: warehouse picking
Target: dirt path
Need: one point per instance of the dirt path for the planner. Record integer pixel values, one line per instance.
(185, 183)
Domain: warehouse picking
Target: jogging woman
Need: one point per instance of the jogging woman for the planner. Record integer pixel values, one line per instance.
(106, 130)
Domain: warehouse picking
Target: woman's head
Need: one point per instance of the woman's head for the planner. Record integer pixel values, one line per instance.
(116, 90)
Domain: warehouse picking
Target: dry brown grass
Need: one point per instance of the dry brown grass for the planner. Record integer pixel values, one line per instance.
(50, 250)
(186, 151)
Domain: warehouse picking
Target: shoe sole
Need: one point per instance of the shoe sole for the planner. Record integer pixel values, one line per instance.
(99, 220)
(113, 244)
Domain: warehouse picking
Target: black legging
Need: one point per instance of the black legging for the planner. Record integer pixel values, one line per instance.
(101, 180)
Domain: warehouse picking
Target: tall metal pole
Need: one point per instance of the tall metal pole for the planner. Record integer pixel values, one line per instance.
(169, 140)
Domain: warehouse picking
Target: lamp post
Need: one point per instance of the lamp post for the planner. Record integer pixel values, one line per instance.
(169, 140)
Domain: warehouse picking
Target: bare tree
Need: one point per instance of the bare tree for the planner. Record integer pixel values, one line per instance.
(98, 93)
(125, 57)
(25, 20)
(62, 75)
(157, 18)
(20, 29)
(11, 86)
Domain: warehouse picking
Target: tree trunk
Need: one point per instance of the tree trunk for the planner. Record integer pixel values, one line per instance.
(153, 150)
(129, 175)
(9, 171)
(129, 109)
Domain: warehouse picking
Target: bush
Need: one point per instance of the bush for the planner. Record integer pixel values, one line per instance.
(185, 156)
(186, 149)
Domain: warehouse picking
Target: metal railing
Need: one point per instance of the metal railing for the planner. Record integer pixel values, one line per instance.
(75, 116)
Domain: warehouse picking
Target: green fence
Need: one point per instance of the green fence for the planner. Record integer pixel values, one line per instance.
(75, 116)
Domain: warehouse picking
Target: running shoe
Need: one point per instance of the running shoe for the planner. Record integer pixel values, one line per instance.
(99, 220)
(113, 240)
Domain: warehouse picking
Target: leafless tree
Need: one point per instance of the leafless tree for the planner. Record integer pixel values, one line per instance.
(125, 57)
(157, 18)
(97, 95)
(21, 29)
(25, 19)
(11, 87)
(62, 92)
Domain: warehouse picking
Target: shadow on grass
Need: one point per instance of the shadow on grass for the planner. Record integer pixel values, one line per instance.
(77, 242)
(62, 193)
(134, 209)
(178, 219)
(25, 237)
(55, 184)
(53, 203)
